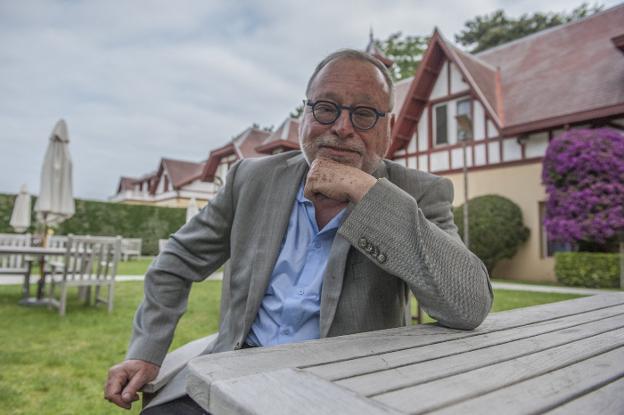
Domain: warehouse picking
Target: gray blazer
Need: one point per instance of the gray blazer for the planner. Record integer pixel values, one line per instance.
(399, 237)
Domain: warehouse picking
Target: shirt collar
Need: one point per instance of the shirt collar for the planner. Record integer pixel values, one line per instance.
(300, 197)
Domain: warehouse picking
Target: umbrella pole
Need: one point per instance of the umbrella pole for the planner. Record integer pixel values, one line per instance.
(44, 244)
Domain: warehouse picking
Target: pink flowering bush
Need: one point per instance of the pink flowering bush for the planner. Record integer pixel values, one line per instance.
(583, 172)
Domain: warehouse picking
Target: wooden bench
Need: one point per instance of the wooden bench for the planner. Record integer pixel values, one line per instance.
(131, 247)
(16, 265)
(87, 262)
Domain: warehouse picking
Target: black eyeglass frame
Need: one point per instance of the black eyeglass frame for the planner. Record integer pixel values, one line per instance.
(339, 108)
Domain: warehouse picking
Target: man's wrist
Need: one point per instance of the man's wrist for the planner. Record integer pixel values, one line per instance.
(363, 185)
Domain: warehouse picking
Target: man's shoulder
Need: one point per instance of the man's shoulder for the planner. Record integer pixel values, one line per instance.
(258, 164)
(398, 173)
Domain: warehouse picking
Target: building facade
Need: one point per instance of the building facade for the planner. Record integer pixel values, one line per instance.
(507, 103)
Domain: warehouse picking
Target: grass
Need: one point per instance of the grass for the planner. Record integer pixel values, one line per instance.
(508, 300)
(58, 366)
(134, 266)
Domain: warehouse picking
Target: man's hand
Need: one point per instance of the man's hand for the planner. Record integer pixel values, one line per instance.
(337, 181)
(125, 380)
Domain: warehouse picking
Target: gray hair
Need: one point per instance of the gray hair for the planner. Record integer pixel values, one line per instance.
(360, 56)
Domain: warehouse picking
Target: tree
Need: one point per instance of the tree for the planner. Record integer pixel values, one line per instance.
(296, 113)
(495, 227)
(583, 171)
(484, 32)
(406, 53)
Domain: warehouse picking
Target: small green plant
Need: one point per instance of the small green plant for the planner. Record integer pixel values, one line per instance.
(588, 269)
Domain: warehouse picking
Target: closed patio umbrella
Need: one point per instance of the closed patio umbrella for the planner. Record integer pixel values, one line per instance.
(56, 201)
(191, 209)
(20, 217)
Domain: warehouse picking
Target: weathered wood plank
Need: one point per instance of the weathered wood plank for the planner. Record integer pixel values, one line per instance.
(452, 389)
(607, 400)
(205, 370)
(286, 392)
(355, 367)
(388, 380)
(550, 390)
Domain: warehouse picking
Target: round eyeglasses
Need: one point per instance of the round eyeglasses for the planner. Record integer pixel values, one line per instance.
(327, 112)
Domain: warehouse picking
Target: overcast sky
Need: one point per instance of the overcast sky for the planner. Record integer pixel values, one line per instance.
(140, 80)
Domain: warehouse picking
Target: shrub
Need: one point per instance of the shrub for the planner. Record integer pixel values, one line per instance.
(495, 226)
(150, 223)
(583, 172)
(588, 269)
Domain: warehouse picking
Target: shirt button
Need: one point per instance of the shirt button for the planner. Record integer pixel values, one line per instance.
(286, 331)
(300, 292)
(363, 242)
(317, 245)
(382, 258)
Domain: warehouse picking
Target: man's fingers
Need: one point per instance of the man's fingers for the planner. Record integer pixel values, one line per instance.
(117, 379)
(129, 394)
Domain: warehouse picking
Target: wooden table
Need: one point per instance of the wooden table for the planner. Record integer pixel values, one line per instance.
(36, 251)
(560, 358)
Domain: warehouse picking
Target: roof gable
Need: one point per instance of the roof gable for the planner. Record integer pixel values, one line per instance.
(180, 172)
(286, 137)
(243, 146)
(417, 96)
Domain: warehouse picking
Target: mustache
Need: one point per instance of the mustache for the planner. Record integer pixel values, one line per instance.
(331, 141)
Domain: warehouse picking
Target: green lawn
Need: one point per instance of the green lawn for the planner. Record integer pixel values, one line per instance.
(134, 266)
(51, 365)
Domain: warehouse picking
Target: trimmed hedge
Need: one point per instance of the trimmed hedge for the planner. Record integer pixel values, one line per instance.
(149, 223)
(588, 269)
(496, 228)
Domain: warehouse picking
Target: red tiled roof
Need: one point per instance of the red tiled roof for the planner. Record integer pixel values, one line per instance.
(246, 143)
(126, 183)
(564, 70)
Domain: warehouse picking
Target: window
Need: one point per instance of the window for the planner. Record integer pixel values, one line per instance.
(547, 246)
(441, 134)
(464, 124)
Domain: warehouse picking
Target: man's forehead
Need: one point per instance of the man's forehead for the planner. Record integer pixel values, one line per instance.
(363, 80)
(330, 94)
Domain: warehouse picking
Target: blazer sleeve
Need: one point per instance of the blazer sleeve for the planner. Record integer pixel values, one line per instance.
(192, 254)
(418, 242)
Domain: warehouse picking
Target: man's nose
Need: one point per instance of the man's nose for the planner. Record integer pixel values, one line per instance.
(342, 126)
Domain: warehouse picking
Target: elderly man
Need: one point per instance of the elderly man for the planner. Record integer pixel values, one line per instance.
(321, 243)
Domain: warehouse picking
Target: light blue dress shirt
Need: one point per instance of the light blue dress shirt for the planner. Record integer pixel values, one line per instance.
(291, 306)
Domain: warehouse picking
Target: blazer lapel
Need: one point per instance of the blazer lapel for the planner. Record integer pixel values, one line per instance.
(332, 282)
(281, 191)
(335, 272)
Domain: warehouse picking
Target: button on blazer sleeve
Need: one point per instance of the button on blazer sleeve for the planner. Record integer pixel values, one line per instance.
(193, 253)
(418, 242)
